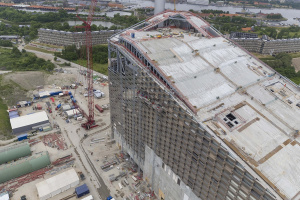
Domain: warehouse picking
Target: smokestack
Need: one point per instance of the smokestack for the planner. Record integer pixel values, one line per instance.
(159, 6)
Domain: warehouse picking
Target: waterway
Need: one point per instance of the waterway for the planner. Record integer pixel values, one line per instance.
(289, 14)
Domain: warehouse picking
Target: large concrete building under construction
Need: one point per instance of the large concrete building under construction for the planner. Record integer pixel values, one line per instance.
(65, 38)
(201, 117)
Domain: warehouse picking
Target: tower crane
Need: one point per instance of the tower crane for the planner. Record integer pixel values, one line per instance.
(174, 5)
(89, 55)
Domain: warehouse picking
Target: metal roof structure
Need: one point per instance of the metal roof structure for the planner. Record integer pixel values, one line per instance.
(24, 166)
(4, 196)
(14, 152)
(28, 119)
(251, 109)
(57, 184)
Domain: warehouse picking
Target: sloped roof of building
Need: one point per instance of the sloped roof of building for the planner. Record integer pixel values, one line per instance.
(28, 119)
(250, 108)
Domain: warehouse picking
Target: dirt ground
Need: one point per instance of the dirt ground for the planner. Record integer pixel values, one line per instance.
(296, 63)
(26, 82)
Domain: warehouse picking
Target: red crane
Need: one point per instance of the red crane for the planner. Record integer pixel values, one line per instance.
(89, 55)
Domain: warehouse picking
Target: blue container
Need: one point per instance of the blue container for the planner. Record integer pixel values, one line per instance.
(55, 93)
(70, 93)
(82, 190)
(132, 35)
(74, 100)
(71, 96)
(13, 113)
(22, 137)
(59, 105)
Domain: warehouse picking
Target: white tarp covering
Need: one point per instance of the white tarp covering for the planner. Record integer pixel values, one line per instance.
(28, 119)
(57, 184)
(66, 107)
(4, 196)
(90, 197)
(71, 113)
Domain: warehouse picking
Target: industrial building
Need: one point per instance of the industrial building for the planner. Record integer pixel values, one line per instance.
(28, 122)
(243, 35)
(57, 184)
(201, 117)
(63, 38)
(14, 152)
(9, 37)
(24, 166)
(260, 45)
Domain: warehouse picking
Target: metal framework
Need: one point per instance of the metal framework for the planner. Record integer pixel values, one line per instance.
(89, 52)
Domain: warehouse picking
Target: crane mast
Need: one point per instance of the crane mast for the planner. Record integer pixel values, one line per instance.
(89, 55)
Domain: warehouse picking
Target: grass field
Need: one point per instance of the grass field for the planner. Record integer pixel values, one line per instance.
(38, 49)
(101, 68)
(5, 128)
(48, 45)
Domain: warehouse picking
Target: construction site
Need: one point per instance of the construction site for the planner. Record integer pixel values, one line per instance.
(201, 116)
(184, 114)
(50, 141)
(63, 147)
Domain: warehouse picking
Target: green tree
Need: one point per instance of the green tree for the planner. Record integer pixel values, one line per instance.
(15, 52)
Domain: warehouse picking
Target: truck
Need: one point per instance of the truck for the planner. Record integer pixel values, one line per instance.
(58, 106)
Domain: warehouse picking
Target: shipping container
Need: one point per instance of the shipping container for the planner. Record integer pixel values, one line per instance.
(22, 137)
(82, 190)
(55, 93)
(99, 108)
(47, 128)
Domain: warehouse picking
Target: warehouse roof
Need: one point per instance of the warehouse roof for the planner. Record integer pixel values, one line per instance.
(28, 119)
(248, 107)
(55, 183)
(14, 152)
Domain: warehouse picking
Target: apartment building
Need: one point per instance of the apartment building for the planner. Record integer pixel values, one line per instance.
(263, 46)
(201, 117)
(63, 38)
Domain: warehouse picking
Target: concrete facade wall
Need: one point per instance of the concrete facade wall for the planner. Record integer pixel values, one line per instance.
(63, 38)
(269, 47)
